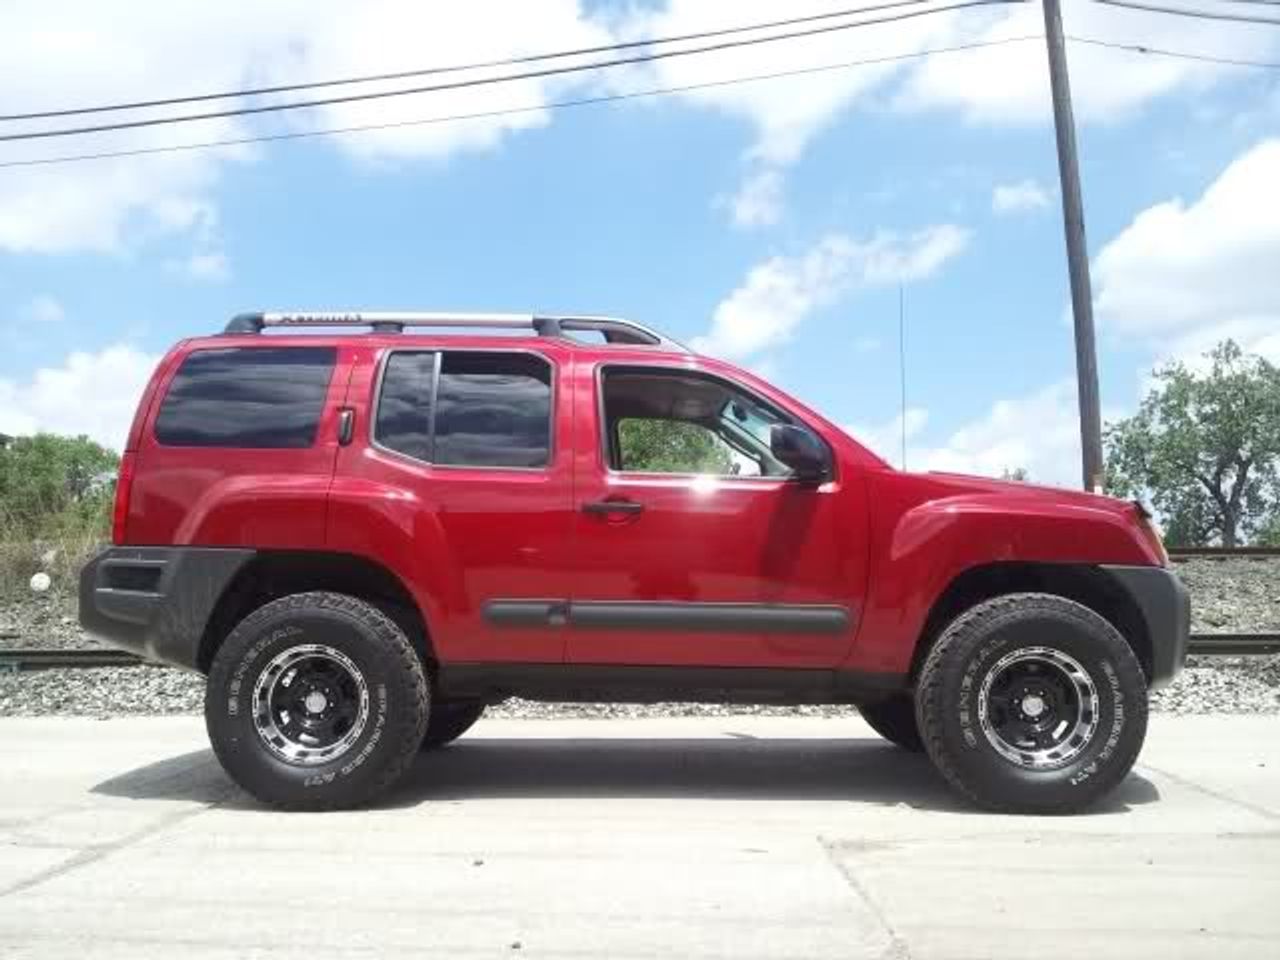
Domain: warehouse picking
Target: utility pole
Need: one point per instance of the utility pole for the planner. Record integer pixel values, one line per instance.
(1077, 251)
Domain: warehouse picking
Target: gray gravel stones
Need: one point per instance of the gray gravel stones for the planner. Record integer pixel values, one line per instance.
(1223, 685)
(44, 620)
(105, 692)
(1233, 596)
(1227, 595)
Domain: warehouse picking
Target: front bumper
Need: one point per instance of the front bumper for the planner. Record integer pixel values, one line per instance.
(1166, 611)
(156, 601)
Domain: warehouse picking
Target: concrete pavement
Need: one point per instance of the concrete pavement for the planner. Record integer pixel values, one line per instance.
(711, 837)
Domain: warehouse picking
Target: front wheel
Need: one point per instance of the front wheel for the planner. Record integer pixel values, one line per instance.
(316, 701)
(1032, 703)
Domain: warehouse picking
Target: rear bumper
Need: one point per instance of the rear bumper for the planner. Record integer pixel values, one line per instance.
(155, 601)
(1166, 610)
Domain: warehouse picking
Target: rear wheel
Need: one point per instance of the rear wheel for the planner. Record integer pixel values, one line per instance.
(449, 721)
(1032, 703)
(895, 720)
(316, 701)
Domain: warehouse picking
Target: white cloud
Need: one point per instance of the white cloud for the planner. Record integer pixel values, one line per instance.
(1039, 432)
(1004, 84)
(79, 53)
(91, 393)
(1183, 275)
(758, 202)
(82, 52)
(43, 309)
(784, 115)
(1010, 84)
(1021, 197)
(885, 439)
(343, 39)
(778, 294)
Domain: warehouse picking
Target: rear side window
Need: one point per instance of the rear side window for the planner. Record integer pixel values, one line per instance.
(469, 409)
(256, 397)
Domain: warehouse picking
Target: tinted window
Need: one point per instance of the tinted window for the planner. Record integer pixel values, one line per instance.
(491, 409)
(404, 412)
(247, 397)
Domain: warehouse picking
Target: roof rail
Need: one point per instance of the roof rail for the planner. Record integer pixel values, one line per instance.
(613, 329)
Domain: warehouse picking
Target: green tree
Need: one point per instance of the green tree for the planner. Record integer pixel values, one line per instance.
(1204, 448)
(1269, 535)
(48, 483)
(671, 446)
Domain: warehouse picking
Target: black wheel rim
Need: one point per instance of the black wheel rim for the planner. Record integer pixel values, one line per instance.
(1038, 708)
(310, 704)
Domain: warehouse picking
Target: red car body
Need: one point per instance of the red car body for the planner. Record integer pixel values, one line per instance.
(894, 551)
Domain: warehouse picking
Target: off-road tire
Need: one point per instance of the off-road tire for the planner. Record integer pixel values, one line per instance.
(398, 701)
(895, 720)
(947, 696)
(449, 721)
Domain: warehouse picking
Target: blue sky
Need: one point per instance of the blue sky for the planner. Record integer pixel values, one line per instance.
(771, 223)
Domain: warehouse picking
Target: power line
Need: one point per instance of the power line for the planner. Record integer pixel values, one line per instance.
(458, 68)
(1184, 12)
(526, 75)
(1176, 54)
(486, 114)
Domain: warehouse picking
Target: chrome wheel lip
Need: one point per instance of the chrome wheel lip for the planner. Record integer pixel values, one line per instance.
(294, 750)
(1072, 741)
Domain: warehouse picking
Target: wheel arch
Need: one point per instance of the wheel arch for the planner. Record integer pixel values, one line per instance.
(272, 574)
(1083, 583)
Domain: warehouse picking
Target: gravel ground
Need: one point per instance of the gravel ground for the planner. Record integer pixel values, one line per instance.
(1227, 595)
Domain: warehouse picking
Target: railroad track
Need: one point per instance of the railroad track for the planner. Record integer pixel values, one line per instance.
(15, 659)
(1179, 554)
(18, 659)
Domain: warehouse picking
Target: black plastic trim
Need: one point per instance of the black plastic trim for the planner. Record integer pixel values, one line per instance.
(657, 615)
(609, 683)
(1166, 610)
(525, 613)
(245, 323)
(727, 617)
(164, 624)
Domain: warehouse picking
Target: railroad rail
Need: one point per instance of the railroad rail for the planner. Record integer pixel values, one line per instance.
(23, 660)
(15, 659)
(1177, 554)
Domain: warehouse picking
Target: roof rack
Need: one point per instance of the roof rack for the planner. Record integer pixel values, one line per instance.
(613, 329)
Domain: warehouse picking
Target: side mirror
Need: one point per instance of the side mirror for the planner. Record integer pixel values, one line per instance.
(800, 450)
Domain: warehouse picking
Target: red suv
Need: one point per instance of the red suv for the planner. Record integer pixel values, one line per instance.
(362, 537)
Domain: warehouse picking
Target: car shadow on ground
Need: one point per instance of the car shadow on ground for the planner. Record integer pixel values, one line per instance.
(740, 768)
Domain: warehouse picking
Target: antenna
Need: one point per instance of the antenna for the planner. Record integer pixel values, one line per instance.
(902, 370)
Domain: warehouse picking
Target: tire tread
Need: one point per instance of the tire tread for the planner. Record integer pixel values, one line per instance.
(990, 613)
(411, 726)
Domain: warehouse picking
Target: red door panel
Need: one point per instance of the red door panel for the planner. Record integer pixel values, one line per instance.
(461, 538)
(793, 552)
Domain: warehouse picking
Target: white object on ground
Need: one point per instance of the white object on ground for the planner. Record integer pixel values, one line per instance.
(40, 582)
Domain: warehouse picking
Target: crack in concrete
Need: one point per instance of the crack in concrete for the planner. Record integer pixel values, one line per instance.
(898, 948)
(1261, 811)
(97, 852)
